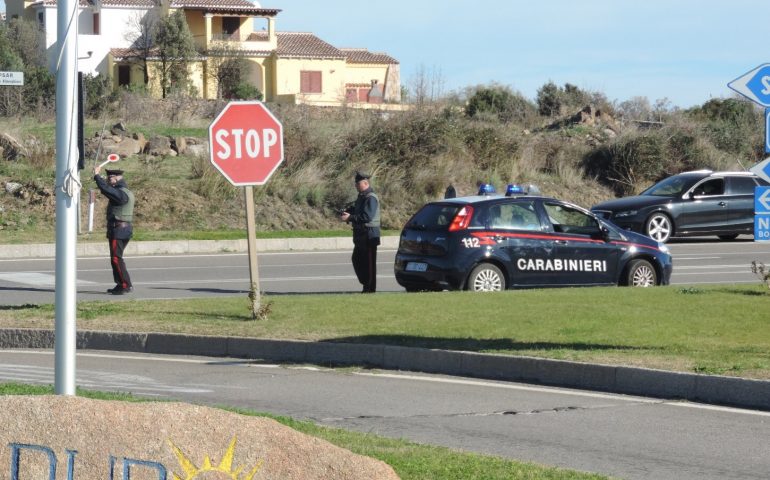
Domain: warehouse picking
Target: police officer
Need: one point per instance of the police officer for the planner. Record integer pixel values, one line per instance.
(120, 214)
(365, 218)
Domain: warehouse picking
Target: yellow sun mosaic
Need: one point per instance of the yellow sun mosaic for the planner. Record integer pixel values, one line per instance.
(208, 471)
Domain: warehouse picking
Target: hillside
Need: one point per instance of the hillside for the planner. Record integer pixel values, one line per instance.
(582, 153)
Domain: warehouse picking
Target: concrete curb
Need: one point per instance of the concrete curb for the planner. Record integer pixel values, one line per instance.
(737, 392)
(100, 249)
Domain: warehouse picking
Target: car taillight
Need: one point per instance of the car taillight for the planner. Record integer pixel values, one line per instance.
(462, 219)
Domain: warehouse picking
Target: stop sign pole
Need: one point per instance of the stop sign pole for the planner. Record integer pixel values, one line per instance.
(246, 146)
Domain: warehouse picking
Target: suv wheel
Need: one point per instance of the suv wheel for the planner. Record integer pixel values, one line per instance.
(486, 278)
(640, 273)
(659, 227)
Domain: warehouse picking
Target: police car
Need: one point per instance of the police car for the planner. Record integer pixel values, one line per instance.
(493, 242)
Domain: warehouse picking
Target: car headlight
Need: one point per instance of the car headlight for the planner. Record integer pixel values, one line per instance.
(663, 248)
(626, 213)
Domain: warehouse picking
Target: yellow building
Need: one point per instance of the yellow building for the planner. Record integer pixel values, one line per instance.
(288, 67)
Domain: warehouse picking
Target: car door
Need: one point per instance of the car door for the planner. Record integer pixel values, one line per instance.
(705, 207)
(522, 242)
(581, 255)
(740, 211)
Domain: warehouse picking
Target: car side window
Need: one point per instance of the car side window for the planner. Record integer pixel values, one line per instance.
(742, 186)
(519, 216)
(715, 186)
(566, 219)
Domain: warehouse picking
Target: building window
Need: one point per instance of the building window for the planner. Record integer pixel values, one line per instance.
(310, 82)
(40, 19)
(124, 75)
(96, 24)
(230, 26)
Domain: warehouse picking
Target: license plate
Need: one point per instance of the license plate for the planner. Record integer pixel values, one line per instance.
(416, 267)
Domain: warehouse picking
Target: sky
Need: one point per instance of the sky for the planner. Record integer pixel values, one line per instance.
(685, 51)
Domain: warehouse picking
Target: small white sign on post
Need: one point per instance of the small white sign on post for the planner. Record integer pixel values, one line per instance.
(12, 78)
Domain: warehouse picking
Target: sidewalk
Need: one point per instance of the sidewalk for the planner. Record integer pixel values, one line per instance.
(96, 249)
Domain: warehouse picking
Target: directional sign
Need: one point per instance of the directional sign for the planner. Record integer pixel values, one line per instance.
(762, 169)
(12, 78)
(754, 85)
(762, 214)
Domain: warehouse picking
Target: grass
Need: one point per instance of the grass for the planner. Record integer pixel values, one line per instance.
(410, 460)
(715, 329)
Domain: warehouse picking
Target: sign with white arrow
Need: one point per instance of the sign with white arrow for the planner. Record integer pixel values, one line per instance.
(762, 214)
(762, 169)
(754, 85)
(767, 130)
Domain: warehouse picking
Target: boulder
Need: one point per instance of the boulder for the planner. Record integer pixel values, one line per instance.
(11, 148)
(158, 146)
(119, 129)
(147, 441)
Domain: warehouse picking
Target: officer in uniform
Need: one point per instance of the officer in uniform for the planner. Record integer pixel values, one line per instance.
(365, 219)
(120, 214)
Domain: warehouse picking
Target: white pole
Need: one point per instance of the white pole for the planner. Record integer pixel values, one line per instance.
(67, 190)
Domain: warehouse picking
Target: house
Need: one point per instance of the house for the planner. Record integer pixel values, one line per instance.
(288, 67)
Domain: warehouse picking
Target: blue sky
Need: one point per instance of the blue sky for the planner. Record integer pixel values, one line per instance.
(683, 50)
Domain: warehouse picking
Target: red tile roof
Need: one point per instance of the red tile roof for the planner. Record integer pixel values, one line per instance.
(305, 45)
(225, 6)
(362, 55)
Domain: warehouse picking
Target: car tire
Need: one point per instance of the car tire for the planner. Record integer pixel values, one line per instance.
(486, 278)
(640, 273)
(659, 227)
(727, 238)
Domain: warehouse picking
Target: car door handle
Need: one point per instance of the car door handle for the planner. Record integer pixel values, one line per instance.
(722, 204)
(560, 242)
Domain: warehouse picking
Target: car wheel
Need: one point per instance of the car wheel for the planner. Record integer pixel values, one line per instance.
(728, 237)
(659, 227)
(640, 273)
(486, 278)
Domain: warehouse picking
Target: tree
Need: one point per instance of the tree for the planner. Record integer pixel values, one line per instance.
(175, 51)
(501, 102)
(230, 70)
(140, 32)
(549, 100)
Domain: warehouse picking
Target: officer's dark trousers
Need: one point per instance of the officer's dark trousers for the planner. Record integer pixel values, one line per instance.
(365, 262)
(119, 272)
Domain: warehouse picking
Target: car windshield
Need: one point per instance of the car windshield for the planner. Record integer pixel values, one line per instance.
(671, 186)
(433, 217)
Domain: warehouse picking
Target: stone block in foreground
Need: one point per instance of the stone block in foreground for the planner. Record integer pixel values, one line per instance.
(60, 437)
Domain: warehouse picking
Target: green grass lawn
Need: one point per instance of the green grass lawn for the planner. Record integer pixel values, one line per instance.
(715, 329)
(410, 460)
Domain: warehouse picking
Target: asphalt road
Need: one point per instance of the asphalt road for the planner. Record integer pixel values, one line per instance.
(623, 436)
(182, 276)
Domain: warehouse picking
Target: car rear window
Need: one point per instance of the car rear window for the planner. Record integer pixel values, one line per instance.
(433, 217)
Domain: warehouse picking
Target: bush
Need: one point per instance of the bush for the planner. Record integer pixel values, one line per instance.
(500, 102)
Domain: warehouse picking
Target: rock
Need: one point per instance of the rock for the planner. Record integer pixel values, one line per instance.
(119, 129)
(125, 148)
(179, 144)
(11, 148)
(158, 146)
(13, 187)
(164, 440)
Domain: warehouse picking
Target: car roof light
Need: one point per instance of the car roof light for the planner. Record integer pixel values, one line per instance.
(486, 189)
(462, 219)
(514, 189)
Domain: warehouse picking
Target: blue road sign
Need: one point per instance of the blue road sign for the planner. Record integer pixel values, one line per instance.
(762, 169)
(767, 130)
(762, 214)
(754, 85)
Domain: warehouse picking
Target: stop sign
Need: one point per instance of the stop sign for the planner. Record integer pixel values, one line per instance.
(246, 143)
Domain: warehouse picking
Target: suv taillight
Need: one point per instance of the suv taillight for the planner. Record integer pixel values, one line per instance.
(462, 219)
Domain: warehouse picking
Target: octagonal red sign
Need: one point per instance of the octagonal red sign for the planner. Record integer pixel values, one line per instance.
(246, 143)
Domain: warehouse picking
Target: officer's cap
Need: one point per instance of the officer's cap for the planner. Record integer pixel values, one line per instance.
(114, 173)
(362, 176)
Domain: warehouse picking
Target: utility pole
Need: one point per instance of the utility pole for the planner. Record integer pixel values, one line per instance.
(67, 193)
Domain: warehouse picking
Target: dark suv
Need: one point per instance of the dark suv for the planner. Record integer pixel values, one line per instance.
(689, 204)
(489, 243)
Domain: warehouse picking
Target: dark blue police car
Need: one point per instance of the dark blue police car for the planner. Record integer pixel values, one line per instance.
(490, 243)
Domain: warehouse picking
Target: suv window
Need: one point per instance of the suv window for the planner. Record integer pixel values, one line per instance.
(566, 219)
(742, 185)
